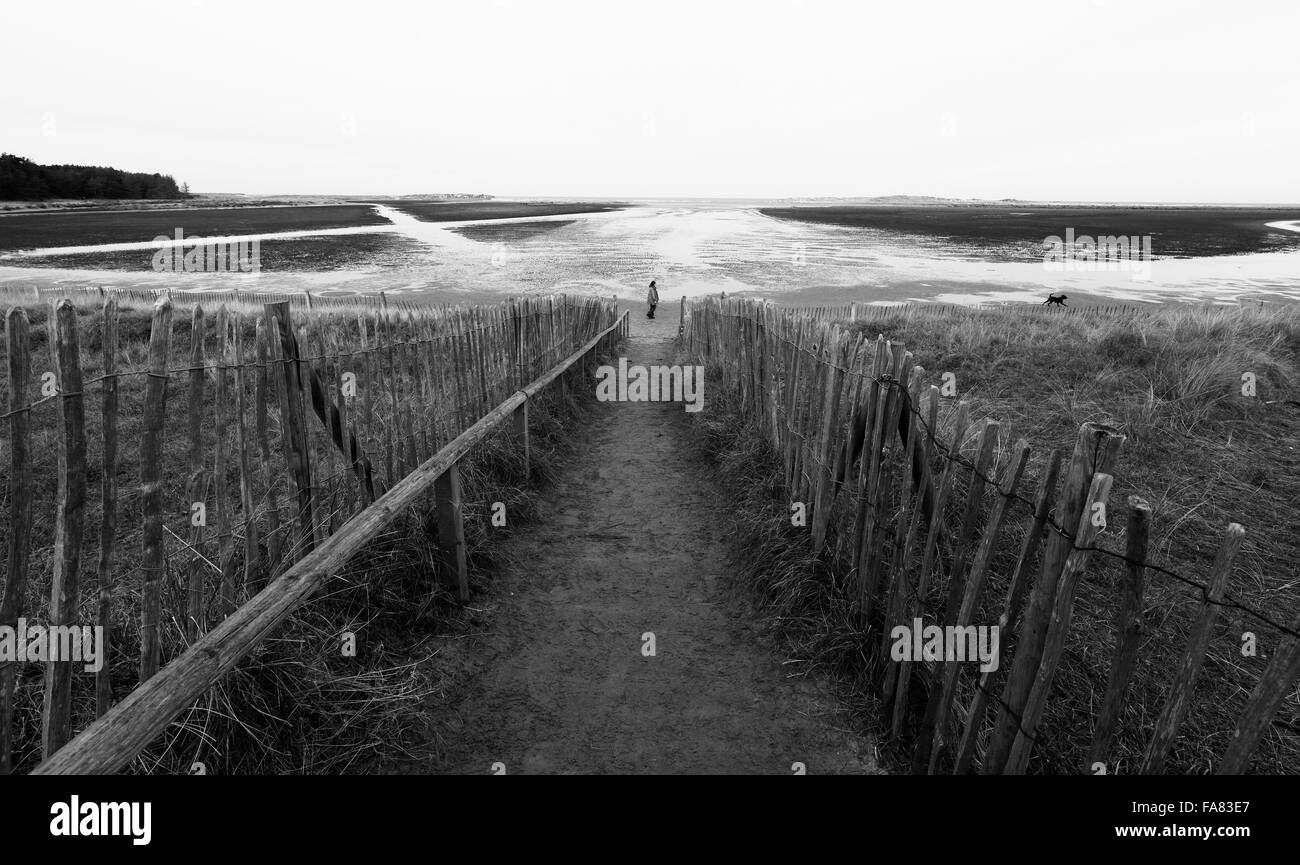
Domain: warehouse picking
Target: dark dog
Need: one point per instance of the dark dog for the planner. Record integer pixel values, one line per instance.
(1058, 299)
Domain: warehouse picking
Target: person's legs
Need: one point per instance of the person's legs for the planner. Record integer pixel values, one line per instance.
(652, 310)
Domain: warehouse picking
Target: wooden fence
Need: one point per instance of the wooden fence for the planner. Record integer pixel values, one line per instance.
(871, 311)
(268, 450)
(913, 524)
(83, 294)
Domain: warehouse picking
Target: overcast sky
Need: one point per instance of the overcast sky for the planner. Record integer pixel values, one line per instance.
(1120, 100)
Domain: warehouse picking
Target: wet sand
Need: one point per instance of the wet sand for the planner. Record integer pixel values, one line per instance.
(699, 249)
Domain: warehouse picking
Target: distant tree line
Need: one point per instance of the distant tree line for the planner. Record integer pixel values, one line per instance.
(24, 180)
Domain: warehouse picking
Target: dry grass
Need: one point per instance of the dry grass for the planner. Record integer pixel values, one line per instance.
(296, 704)
(1199, 452)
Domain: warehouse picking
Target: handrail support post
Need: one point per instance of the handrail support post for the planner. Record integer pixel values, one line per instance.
(451, 531)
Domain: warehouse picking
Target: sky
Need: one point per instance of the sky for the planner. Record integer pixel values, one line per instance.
(1089, 100)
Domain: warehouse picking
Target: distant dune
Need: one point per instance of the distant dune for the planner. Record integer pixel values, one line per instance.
(1015, 231)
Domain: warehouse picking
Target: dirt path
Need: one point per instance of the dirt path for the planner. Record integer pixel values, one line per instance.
(634, 545)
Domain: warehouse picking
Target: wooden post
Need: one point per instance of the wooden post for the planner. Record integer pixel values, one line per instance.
(384, 369)
(1272, 688)
(460, 363)
(221, 487)
(108, 506)
(294, 424)
(879, 492)
(873, 443)
(251, 550)
(408, 401)
(1180, 693)
(1095, 451)
(366, 382)
(867, 462)
(451, 531)
(1128, 631)
(841, 473)
(481, 363)
(152, 556)
(521, 433)
(824, 487)
(20, 513)
(1007, 620)
(331, 416)
(443, 407)
(794, 370)
(339, 414)
(956, 589)
(770, 365)
(971, 593)
(1085, 536)
(424, 384)
(269, 475)
(196, 488)
(808, 417)
(309, 347)
(908, 527)
(962, 421)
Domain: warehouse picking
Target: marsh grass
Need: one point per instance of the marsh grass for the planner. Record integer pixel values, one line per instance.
(296, 704)
(1202, 455)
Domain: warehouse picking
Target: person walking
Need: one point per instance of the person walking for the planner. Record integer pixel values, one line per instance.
(652, 298)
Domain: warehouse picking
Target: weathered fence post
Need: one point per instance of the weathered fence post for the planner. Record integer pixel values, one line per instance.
(974, 584)
(451, 531)
(243, 443)
(521, 433)
(928, 556)
(1095, 452)
(1059, 624)
(988, 438)
(70, 518)
(1272, 688)
(108, 506)
(1007, 620)
(20, 515)
(893, 401)
(294, 420)
(261, 385)
(1180, 693)
(196, 487)
(919, 444)
(151, 483)
(220, 471)
(1128, 630)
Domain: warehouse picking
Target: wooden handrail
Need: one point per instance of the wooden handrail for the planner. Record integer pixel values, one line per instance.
(124, 731)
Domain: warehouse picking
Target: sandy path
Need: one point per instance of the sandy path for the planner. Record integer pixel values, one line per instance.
(634, 544)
